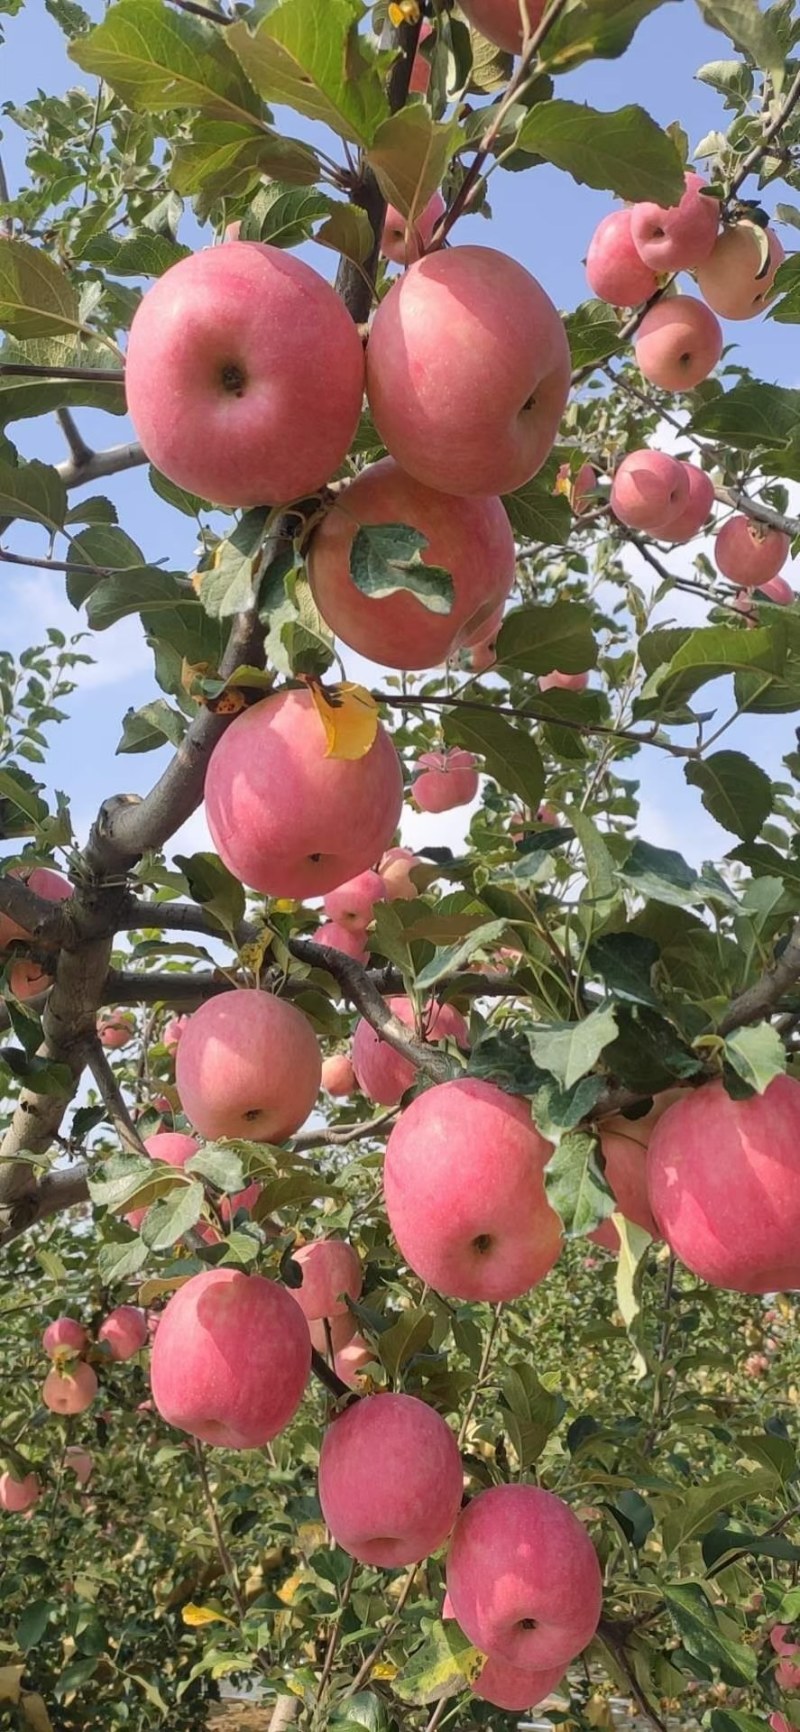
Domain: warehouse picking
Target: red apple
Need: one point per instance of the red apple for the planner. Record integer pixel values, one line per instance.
(383, 1074)
(449, 779)
(723, 1181)
(64, 1335)
(70, 1391)
(349, 1361)
(395, 868)
(471, 539)
(512, 1687)
(420, 70)
(678, 237)
(353, 903)
(614, 270)
(124, 1331)
(523, 1577)
(500, 21)
(341, 1330)
(465, 1192)
(286, 818)
(116, 1029)
(678, 343)
(748, 553)
(453, 321)
(79, 1462)
(696, 511)
(331, 1268)
(175, 1148)
(173, 1031)
(17, 1495)
(401, 243)
(734, 281)
(225, 355)
(778, 591)
(338, 1076)
(649, 491)
(231, 1359)
(248, 1066)
(344, 938)
(623, 1145)
(390, 1480)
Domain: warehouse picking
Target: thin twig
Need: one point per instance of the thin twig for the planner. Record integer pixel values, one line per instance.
(112, 1098)
(751, 162)
(480, 1380)
(399, 701)
(225, 1557)
(333, 1640)
(80, 451)
(373, 1657)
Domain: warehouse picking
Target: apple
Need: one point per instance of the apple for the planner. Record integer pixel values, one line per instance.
(350, 1360)
(353, 903)
(465, 1193)
(343, 938)
(454, 321)
(420, 69)
(286, 818)
(401, 243)
(449, 779)
(681, 236)
(341, 1330)
(176, 1149)
(338, 1076)
(51, 886)
(390, 1480)
(395, 868)
(563, 682)
(79, 1462)
(64, 1335)
(678, 343)
(124, 1331)
(615, 271)
(172, 1031)
(225, 355)
(523, 1577)
(734, 281)
(384, 1074)
(649, 491)
(248, 1065)
(231, 1359)
(70, 1391)
(623, 1145)
(696, 511)
(471, 539)
(331, 1268)
(17, 1495)
(748, 553)
(116, 1029)
(778, 591)
(722, 1179)
(500, 21)
(514, 1688)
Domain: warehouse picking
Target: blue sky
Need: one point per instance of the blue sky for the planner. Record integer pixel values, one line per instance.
(545, 220)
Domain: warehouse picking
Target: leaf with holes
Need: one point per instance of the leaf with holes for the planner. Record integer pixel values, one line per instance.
(387, 557)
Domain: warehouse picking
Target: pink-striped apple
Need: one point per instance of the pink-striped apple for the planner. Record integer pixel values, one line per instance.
(384, 1074)
(248, 1065)
(390, 1480)
(678, 343)
(678, 237)
(353, 903)
(748, 553)
(614, 270)
(448, 779)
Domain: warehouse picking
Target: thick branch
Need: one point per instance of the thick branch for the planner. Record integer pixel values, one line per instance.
(79, 450)
(741, 501)
(366, 997)
(758, 1000)
(57, 1191)
(43, 921)
(101, 463)
(179, 990)
(111, 1096)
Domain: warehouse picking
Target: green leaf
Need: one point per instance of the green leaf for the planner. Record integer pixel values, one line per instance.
(569, 1050)
(531, 1412)
(224, 159)
(538, 514)
(43, 1075)
(158, 60)
(348, 231)
(170, 1217)
(119, 1258)
(21, 809)
(575, 1186)
(308, 55)
(410, 154)
(222, 1167)
(623, 152)
(707, 654)
(33, 1623)
(625, 963)
(36, 297)
(751, 31)
(112, 1184)
(538, 639)
(387, 557)
(662, 875)
(700, 1505)
(21, 397)
(696, 1622)
(409, 1335)
(601, 891)
(230, 584)
(214, 887)
(556, 1110)
(143, 255)
(634, 1244)
(757, 1054)
(451, 960)
(734, 790)
(787, 284)
(586, 31)
(442, 1666)
(35, 491)
(735, 1720)
(593, 333)
(509, 753)
(298, 640)
(751, 415)
(154, 724)
(284, 216)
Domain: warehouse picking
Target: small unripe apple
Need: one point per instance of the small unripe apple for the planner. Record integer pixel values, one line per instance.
(390, 1480)
(231, 1359)
(649, 491)
(116, 1029)
(384, 1074)
(70, 1391)
(402, 243)
(734, 281)
(395, 868)
(124, 1331)
(448, 779)
(454, 320)
(225, 355)
(353, 903)
(500, 21)
(680, 236)
(464, 1188)
(248, 1065)
(338, 1076)
(523, 1577)
(331, 1268)
(347, 939)
(64, 1335)
(678, 343)
(17, 1495)
(563, 682)
(696, 511)
(614, 270)
(748, 553)
(289, 820)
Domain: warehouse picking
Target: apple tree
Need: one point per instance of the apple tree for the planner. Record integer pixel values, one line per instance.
(399, 1245)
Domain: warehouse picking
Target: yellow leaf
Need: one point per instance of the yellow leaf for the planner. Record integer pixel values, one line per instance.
(349, 715)
(404, 12)
(198, 1616)
(35, 1712)
(385, 1670)
(9, 1683)
(159, 1284)
(287, 1592)
(251, 956)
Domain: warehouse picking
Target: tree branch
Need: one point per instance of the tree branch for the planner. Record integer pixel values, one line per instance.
(356, 283)
(33, 370)
(101, 463)
(79, 450)
(758, 1000)
(587, 729)
(111, 1096)
(741, 501)
(60, 1189)
(44, 922)
(367, 998)
(755, 156)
